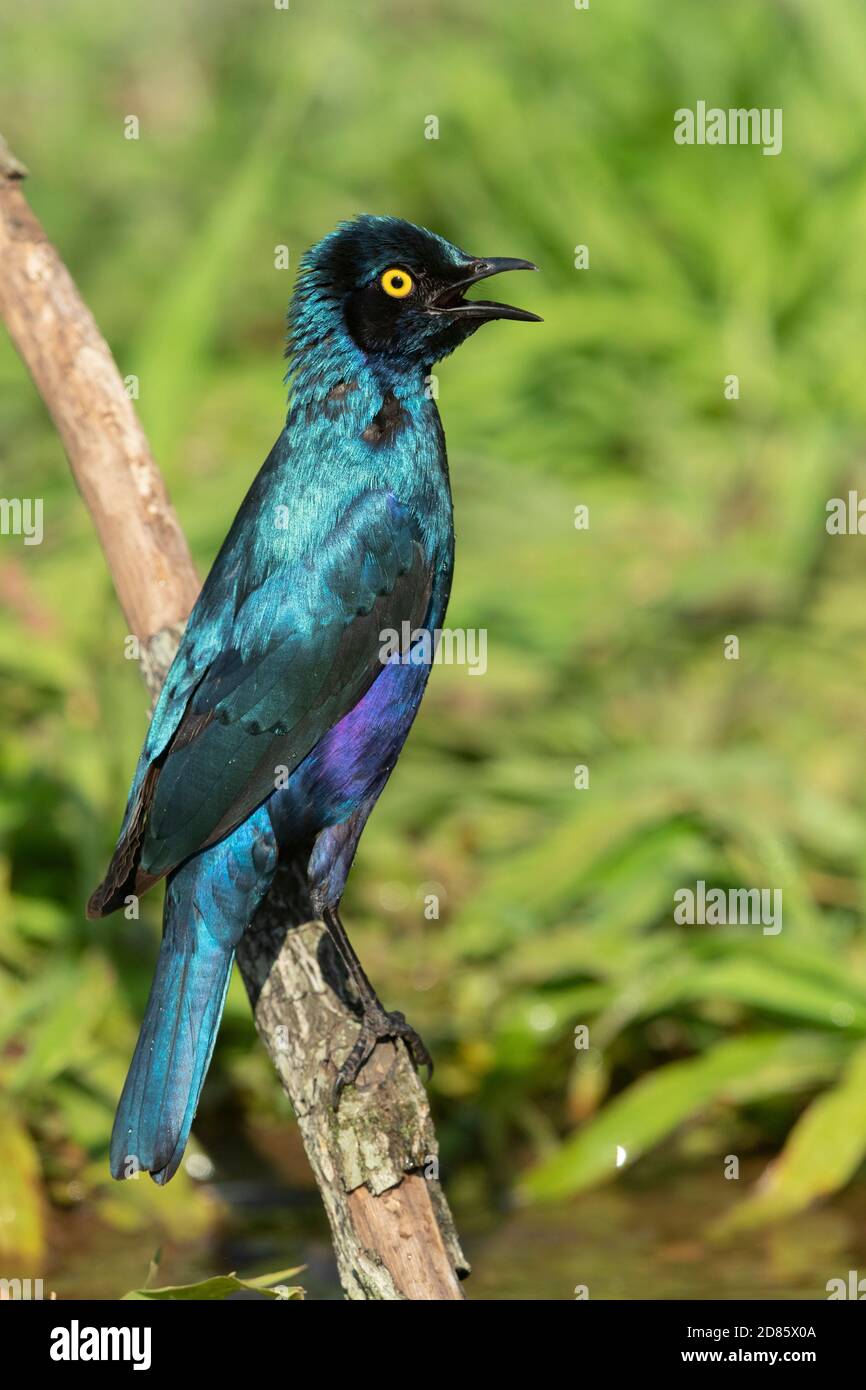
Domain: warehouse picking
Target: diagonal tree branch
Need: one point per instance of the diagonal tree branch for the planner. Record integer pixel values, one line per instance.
(393, 1233)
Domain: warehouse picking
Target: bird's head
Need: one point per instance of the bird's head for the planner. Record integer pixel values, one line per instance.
(397, 292)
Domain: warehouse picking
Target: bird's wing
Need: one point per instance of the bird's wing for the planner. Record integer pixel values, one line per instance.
(303, 647)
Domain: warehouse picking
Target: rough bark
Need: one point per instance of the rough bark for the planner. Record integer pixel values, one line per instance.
(375, 1158)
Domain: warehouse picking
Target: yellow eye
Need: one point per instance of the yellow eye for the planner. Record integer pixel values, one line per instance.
(397, 283)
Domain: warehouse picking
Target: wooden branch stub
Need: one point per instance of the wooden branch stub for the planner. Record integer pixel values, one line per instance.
(393, 1232)
(76, 376)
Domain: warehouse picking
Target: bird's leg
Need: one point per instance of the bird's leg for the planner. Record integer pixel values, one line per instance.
(376, 1023)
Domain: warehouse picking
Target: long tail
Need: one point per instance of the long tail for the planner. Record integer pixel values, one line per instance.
(209, 902)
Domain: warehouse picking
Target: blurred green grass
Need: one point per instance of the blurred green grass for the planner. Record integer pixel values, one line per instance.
(263, 127)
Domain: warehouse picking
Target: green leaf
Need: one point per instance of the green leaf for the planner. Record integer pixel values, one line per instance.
(824, 1149)
(739, 1070)
(222, 1285)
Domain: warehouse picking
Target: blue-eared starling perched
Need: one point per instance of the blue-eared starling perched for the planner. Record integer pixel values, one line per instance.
(281, 718)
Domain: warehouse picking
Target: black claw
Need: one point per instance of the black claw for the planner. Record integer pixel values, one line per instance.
(376, 1027)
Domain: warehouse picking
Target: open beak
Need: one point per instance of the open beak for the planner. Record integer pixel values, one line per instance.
(451, 300)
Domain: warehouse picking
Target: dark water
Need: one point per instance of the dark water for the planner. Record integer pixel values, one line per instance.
(628, 1240)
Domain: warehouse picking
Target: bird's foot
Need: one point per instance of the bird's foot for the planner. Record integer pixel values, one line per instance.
(376, 1026)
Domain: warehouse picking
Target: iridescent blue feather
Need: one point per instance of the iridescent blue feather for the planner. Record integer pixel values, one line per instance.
(280, 719)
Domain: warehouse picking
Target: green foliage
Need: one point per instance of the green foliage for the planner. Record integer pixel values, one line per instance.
(223, 1286)
(825, 1148)
(741, 1069)
(261, 127)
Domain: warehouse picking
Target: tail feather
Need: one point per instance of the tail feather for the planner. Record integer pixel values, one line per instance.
(209, 902)
(171, 1057)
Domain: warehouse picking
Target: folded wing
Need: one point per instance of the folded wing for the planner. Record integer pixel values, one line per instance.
(301, 648)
